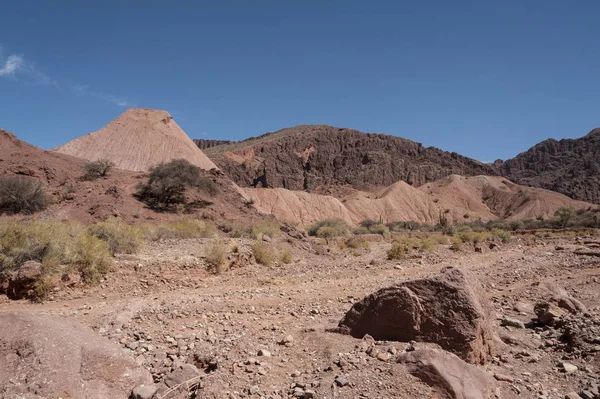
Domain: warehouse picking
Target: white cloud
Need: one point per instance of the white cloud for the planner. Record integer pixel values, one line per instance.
(12, 64)
(85, 90)
(17, 67)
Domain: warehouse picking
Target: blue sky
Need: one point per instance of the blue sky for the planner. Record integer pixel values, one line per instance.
(485, 79)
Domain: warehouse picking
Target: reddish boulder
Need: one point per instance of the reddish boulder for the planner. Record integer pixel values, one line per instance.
(448, 375)
(445, 309)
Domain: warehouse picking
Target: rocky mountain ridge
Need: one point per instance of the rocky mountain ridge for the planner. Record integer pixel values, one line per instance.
(324, 158)
(307, 157)
(568, 166)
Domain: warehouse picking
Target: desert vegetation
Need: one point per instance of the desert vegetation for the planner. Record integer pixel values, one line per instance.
(329, 228)
(94, 170)
(167, 183)
(21, 194)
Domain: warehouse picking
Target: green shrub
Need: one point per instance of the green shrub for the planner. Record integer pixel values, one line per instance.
(264, 254)
(329, 228)
(167, 184)
(94, 170)
(361, 230)
(20, 194)
(121, 237)
(504, 236)
(216, 256)
(397, 252)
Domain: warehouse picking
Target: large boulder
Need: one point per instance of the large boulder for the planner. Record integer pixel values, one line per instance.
(448, 375)
(44, 356)
(445, 309)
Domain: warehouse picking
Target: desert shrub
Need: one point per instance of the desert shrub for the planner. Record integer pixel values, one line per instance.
(329, 228)
(442, 240)
(20, 194)
(92, 256)
(265, 227)
(263, 253)
(455, 243)
(121, 237)
(398, 251)
(286, 257)
(564, 214)
(428, 244)
(504, 236)
(404, 226)
(56, 245)
(380, 229)
(216, 256)
(167, 184)
(361, 230)
(94, 170)
(188, 228)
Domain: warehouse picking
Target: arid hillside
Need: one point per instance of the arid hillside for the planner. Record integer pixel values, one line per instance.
(458, 198)
(308, 157)
(75, 198)
(137, 140)
(568, 166)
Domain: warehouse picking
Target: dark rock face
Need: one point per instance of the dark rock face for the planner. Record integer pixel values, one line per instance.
(569, 166)
(306, 157)
(204, 144)
(445, 309)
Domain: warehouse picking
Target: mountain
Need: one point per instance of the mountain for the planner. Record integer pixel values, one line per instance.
(137, 140)
(308, 157)
(459, 198)
(568, 166)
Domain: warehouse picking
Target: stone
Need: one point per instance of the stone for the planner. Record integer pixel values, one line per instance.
(568, 367)
(144, 392)
(505, 378)
(510, 322)
(342, 381)
(309, 394)
(547, 313)
(572, 395)
(264, 353)
(254, 390)
(450, 376)
(187, 374)
(446, 309)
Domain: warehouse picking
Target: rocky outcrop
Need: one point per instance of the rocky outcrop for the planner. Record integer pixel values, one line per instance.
(48, 356)
(445, 309)
(204, 144)
(569, 166)
(449, 376)
(310, 156)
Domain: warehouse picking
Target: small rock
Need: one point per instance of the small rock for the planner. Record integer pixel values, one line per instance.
(133, 345)
(342, 381)
(505, 378)
(510, 322)
(309, 394)
(264, 353)
(384, 356)
(144, 392)
(572, 395)
(254, 389)
(568, 367)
